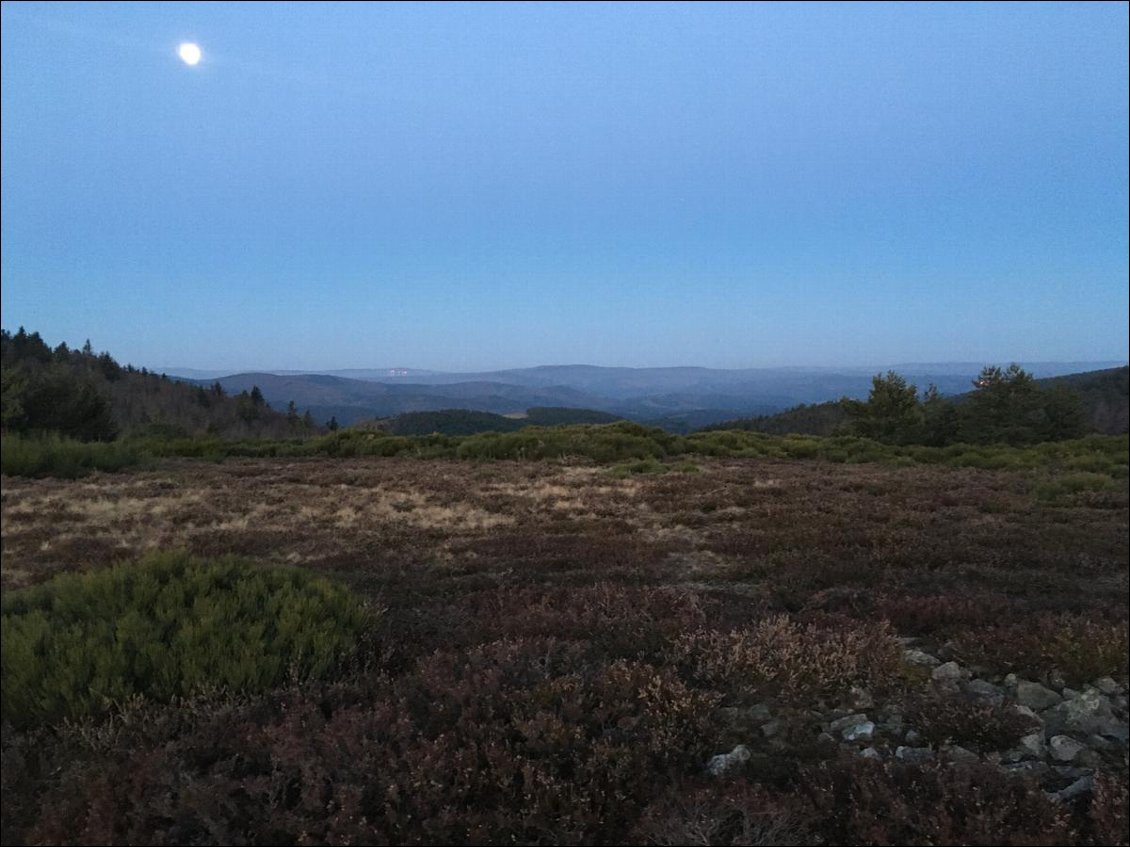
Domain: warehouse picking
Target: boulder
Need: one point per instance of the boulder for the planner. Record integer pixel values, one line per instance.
(840, 724)
(1083, 785)
(1087, 712)
(859, 732)
(1108, 686)
(986, 691)
(949, 672)
(1035, 696)
(1064, 748)
(914, 755)
(922, 660)
(1033, 745)
(725, 762)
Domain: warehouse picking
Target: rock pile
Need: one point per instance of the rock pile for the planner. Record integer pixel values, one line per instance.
(1074, 732)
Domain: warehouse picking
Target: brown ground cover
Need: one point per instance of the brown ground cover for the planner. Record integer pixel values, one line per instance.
(556, 633)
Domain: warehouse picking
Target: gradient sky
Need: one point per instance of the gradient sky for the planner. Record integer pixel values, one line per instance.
(470, 186)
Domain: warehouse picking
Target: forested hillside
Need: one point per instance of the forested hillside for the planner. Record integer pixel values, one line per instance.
(91, 397)
(1006, 405)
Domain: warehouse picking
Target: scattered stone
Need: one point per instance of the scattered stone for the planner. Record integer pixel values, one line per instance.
(870, 753)
(922, 660)
(1064, 748)
(1039, 770)
(1055, 680)
(840, 724)
(1118, 731)
(1108, 686)
(1028, 713)
(1088, 712)
(860, 698)
(1071, 772)
(759, 712)
(1083, 785)
(771, 728)
(915, 755)
(950, 671)
(983, 690)
(1035, 696)
(859, 732)
(994, 757)
(1069, 693)
(825, 738)
(959, 755)
(1011, 680)
(913, 737)
(724, 762)
(1033, 745)
(1097, 742)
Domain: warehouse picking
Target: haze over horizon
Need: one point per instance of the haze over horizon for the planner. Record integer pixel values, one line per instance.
(477, 187)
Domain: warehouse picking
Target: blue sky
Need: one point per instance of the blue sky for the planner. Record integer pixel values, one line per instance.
(471, 186)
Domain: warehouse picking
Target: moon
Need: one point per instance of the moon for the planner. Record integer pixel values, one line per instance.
(189, 53)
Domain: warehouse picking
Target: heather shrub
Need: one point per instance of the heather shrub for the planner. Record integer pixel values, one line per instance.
(1082, 648)
(167, 627)
(782, 657)
(958, 719)
(619, 622)
(518, 741)
(862, 802)
(734, 813)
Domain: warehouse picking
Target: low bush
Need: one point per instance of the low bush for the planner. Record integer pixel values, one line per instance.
(53, 455)
(958, 719)
(167, 627)
(790, 660)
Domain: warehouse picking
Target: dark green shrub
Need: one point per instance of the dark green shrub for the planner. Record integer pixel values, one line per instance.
(54, 455)
(167, 627)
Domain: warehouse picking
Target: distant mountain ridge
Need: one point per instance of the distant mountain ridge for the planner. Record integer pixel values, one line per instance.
(678, 398)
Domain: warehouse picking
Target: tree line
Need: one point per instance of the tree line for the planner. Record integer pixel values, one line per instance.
(89, 396)
(1006, 406)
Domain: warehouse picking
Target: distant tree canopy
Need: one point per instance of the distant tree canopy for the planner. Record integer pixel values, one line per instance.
(1007, 406)
(90, 397)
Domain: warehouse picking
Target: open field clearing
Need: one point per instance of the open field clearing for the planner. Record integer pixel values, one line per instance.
(774, 650)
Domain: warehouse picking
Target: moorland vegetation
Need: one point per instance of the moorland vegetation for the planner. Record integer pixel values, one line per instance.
(585, 634)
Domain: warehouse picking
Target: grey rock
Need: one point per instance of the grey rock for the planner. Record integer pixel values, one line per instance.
(1120, 732)
(724, 762)
(1035, 696)
(913, 737)
(1083, 785)
(859, 732)
(1108, 686)
(914, 754)
(1039, 770)
(1055, 680)
(759, 712)
(840, 724)
(922, 660)
(1071, 771)
(870, 753)
(1064, 748)
(1098, 742)
(1033, 745)
(860, 698)
(771, 728)
(1088, 712)
(1028, 713)
(825, 738)
(950, 671)
(1011, 680)
(959, 755)
(986, 691)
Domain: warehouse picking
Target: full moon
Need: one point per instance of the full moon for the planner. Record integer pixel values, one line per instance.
(189, 53)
